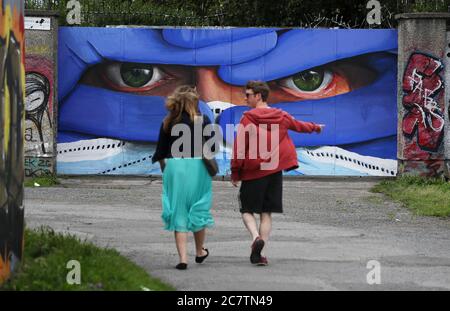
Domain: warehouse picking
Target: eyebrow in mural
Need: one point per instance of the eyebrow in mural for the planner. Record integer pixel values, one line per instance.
(323, 81)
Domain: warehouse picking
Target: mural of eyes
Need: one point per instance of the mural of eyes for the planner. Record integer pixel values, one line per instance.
(308, 81)
(137, 78)
(328, 80)
(161, 80)
(133, 76)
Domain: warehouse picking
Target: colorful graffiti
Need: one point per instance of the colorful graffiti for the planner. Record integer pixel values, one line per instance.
(114, 81)
(12, 78)
(38, 106)
(39, 81)
(423, 121)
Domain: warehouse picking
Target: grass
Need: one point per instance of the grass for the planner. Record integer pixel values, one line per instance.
(423, 196)
(42, 181)
(391, 215)
(45, 266)
(375, 200)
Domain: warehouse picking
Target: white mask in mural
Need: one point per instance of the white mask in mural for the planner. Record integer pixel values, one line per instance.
(217, 107)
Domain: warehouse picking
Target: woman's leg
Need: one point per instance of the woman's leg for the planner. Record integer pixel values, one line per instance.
(181, 242)
(199, 238)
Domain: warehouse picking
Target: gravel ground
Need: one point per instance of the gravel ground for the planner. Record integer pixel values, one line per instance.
(329, 231)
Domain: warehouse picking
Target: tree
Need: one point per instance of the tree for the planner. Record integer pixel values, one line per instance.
(242, 13)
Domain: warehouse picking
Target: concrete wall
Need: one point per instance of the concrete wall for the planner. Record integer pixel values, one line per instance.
(12, 89)
(422, 108)
(40, 65)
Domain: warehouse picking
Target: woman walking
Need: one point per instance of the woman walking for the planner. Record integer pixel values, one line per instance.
(187, 186)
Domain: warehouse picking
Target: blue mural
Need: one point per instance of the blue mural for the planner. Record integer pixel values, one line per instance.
(113, 83)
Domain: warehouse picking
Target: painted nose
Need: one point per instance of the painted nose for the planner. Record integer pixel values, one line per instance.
(212, 88)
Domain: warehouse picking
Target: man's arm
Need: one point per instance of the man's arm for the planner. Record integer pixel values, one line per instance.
(304, 127)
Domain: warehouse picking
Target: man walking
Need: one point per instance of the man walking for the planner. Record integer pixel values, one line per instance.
(262, 150)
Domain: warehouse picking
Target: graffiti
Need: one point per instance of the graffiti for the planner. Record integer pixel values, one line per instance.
(38, 166)
(423, 121)
(38, 106)
(117, 91)
(39, 110)
(11, 135)
(426, 168)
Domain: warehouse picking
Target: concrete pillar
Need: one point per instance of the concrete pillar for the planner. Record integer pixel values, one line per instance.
(11, 136)
(41, 51)
(423, 112)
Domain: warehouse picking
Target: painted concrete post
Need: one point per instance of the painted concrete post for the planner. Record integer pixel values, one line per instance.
(423, 131)
(41, 31)
(11, 136)
(447, 108)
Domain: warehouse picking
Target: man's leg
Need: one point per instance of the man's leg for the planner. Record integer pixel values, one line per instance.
(250, 223)
(265, 226)
(258, 243)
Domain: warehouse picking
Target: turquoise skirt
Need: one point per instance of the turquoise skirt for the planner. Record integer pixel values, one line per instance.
(186, 195)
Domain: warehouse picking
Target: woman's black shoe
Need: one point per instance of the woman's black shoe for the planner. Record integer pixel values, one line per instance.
(200, 259)
(181, 266)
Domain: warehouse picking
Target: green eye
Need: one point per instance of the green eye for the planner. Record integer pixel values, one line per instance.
(136, 75)
(308, 80)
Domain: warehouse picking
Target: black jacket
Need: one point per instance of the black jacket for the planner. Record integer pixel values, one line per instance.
(166, 140)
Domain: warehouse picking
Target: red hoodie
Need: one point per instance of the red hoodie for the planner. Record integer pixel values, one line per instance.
(254, 158)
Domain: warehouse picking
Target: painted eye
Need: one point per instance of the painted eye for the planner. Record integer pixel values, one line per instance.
(136, 75)
(133, 75)
(34, 100)
(308, 81)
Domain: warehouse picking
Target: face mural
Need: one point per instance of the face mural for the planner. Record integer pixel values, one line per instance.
(38, 106)
(113, 83)
(12, 81)
(39, 97)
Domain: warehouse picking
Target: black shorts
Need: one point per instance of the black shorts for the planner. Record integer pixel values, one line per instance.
(262, 195)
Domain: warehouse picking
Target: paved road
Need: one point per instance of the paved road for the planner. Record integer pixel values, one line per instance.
(331, 228)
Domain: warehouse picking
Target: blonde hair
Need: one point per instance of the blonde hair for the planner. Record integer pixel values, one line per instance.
(184, 98)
